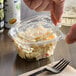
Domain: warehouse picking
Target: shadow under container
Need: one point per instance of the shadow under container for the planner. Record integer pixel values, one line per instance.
(31, 37)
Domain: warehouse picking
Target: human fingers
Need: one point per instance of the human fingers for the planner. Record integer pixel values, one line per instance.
(58, 9)
(33, 4)
(71, 37)
(27, 2)
(49, 6)
(43, 5)
(58, 1)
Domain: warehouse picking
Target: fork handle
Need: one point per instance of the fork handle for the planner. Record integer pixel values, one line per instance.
(38, 72)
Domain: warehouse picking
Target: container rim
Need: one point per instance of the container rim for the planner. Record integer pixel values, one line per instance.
(55, 28)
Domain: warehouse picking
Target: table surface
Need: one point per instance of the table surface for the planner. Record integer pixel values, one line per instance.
(12, 65)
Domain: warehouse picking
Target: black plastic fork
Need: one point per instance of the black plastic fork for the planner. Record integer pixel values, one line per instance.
(57, 68)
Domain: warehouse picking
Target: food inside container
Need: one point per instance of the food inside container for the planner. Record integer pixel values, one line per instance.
(36, 38)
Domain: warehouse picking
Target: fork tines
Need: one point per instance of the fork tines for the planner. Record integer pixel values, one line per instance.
(61, 64)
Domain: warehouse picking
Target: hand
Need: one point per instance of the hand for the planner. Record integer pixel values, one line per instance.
(71, 37)
(54, 6)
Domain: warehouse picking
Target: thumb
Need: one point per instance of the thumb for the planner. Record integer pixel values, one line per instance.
(53, 17)
(71, 37)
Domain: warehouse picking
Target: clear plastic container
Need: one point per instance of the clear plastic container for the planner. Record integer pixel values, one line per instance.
(36, 37)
